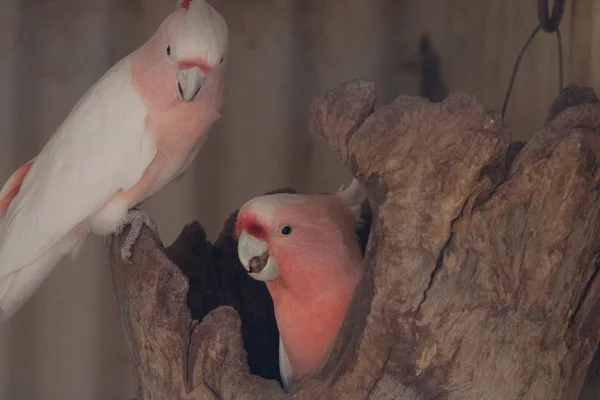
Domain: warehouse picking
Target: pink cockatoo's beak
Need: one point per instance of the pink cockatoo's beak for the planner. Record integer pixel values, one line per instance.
(254, 256)
(190, 79)
(189, 83)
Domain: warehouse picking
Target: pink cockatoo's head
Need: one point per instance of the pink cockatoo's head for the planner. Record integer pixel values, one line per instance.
(276, 231)
(187, 52)
(306, 250)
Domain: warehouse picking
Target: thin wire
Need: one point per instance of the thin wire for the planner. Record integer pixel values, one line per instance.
(518, 62)
(549, 23)
(516, 68)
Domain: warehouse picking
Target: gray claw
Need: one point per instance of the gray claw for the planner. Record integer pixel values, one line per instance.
(137, 219)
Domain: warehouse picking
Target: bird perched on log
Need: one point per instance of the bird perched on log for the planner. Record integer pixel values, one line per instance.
(138, 128)
(306, 249)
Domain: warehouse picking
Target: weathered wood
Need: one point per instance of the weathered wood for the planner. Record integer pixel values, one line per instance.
(483, 259)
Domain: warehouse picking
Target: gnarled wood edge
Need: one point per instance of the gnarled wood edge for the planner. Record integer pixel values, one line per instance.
(482, 272)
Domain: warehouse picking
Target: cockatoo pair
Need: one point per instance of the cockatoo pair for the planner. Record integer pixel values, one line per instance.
(138, 128)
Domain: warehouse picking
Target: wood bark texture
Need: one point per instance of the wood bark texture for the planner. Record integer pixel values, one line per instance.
(482, 278)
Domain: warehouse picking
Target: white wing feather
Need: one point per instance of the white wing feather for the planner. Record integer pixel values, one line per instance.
(100, 148)
(353, 196)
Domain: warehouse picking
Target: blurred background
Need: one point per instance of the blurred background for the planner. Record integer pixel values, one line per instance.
(67, 342)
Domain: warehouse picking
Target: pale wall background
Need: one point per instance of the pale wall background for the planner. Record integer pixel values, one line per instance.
(67, 342)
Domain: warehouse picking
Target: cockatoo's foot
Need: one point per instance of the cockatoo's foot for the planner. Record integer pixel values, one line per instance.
(137, 219)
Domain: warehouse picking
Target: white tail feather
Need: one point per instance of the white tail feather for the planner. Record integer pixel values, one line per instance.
(353, 196)
(18, 287)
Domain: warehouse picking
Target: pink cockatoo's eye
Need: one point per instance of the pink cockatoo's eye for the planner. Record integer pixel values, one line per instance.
(168, 50)
(286, 230)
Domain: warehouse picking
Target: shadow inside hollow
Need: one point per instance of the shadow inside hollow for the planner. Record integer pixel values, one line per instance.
(216, 277)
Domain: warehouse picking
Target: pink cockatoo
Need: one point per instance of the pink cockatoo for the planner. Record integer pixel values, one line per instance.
(138, 128)
(306, 250)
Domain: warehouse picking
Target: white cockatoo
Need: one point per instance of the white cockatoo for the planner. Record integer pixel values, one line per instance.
(138, 128)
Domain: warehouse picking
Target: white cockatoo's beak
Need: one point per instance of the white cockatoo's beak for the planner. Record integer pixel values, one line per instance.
(254, 256)
(189, 83)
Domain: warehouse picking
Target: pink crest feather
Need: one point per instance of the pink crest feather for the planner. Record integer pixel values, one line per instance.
(185, 4)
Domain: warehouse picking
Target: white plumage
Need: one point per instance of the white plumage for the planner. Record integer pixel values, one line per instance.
(100, 148)
(134, 131)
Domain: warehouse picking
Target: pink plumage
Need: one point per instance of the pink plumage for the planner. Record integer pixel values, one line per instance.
(311, 262)
(12, 188)
(250, 224)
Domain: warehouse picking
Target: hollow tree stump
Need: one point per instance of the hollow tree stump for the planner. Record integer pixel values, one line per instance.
(483, 258)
